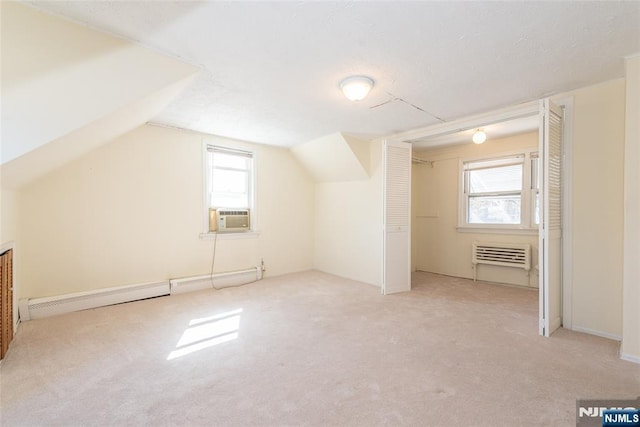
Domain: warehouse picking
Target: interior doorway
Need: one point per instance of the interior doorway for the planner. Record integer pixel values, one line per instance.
(524, 133)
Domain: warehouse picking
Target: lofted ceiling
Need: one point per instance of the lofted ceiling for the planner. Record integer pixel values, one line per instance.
(270, 71)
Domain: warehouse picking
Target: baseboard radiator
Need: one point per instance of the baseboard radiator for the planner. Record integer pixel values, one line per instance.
(217, 281)
(37, 308)
(502, 254)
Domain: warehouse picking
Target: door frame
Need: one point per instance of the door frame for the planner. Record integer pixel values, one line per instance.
(510, 113)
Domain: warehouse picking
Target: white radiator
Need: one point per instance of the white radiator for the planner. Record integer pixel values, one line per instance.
(218, 281)
(502, 254)
(37, 308)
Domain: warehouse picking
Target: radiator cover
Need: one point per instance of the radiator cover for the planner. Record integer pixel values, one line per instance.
(502, 254)
(37, 308)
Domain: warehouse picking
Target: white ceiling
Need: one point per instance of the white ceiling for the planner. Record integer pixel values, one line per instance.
(271, 70)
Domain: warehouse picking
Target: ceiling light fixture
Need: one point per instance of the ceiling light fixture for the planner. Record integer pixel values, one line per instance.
(356, 88)
(479, 137)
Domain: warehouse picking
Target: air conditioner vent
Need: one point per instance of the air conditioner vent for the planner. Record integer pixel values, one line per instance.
(502, 254)
(233, 219)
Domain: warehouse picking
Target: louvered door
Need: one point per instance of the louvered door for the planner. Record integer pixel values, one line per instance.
(397, 217)
(6, 301)
(550, 245)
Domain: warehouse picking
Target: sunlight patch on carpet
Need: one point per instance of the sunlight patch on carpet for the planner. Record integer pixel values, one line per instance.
(208, 332)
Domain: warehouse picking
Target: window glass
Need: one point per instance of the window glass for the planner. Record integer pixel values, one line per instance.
(233, 161)
(501, 191)
(494, 209)
(228, 180)
(497, 179)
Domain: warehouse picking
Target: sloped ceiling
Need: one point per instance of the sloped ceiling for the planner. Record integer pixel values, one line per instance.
(272, 69)
(334, 158)
(66, 84)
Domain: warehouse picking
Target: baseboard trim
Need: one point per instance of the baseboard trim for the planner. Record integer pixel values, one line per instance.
(217, 281)
(597, 333)
(630, 358)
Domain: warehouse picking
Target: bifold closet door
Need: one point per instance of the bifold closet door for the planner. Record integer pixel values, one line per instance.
(550, 234)
(397, 218)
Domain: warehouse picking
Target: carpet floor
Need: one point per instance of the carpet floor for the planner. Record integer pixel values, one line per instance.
(310, 349)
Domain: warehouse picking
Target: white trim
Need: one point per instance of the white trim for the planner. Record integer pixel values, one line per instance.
(215, 281)
(496, 116)
(501, 230)
(205, 175)
(630, 358)
(597, 333)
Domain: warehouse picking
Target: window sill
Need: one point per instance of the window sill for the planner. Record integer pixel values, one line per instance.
(230, 235)
(497, 230)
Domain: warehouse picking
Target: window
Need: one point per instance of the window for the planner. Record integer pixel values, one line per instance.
(229, 179)
(500, 192)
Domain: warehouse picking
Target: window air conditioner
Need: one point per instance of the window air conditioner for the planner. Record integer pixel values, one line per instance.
(232, 219)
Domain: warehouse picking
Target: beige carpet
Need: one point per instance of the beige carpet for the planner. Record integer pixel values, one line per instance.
(310, 349)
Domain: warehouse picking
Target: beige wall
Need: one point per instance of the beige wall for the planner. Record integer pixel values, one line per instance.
(132, 211)
(631, 282)
(348, 228)
(9, 218)
(597, 207)
(437, 246)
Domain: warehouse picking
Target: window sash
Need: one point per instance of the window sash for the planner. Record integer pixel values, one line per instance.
(494, 180)
(495, 162)
(226, 196)
(524, 196)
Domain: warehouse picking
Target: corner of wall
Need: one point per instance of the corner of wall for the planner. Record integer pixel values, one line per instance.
(630, 349)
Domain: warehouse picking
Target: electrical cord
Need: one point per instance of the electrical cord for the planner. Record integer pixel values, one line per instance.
(213, 259)
(213, 262)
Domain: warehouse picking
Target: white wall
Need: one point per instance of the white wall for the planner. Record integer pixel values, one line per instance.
(348, 228)
(132, 211)
(597, 207)
(631, 281)
(437, 246)
(58, 76)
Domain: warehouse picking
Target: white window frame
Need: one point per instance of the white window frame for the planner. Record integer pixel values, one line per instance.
(207, 147)
(527, 207)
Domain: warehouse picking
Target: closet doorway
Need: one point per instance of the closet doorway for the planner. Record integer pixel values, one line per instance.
(532, 140)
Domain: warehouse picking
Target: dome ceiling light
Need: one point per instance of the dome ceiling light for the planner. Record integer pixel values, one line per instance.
(479, 137)
(356, 88)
